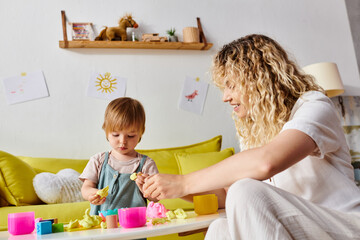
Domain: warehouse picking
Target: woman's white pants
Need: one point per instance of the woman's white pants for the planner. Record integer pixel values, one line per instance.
(257, 210)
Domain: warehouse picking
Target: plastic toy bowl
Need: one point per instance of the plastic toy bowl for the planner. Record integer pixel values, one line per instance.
(21, 223)
(132, 217)
(205, 204)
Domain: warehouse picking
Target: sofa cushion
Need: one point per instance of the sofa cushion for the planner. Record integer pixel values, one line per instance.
(166, 163)
(63, 187)
(54, 165)
(188, 162)
(16, 181)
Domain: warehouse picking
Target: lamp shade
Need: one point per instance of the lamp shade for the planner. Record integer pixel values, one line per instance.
(327, 76)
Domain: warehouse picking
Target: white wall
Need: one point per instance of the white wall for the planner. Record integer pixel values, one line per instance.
(68, 123)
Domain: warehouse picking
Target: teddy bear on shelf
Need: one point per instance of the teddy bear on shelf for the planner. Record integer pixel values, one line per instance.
(115, 33)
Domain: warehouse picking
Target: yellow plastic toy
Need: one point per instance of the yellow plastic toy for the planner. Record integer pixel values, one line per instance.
(103, 192)
(88, 221)
(170, 215)
(156, 221)
(73, 224)
(103, 225)
(180, 213)
(205, 204)
(133, 176)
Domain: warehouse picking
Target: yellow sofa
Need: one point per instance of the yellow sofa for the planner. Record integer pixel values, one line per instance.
(17, 193)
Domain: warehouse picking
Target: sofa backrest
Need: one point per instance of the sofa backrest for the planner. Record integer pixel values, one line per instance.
(53, 165)
(164, 159)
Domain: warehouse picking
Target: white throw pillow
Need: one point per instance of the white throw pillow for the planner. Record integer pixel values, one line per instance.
(62, 187)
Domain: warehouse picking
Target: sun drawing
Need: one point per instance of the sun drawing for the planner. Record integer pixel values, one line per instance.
(106, 83)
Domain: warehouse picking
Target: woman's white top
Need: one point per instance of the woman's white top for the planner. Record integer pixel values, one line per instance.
(326, 177)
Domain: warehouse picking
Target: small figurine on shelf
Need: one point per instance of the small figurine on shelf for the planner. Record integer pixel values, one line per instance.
(153, 37)
(117, 33)
(171, 33)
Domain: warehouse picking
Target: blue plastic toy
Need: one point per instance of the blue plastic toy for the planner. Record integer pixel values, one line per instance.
(43, 227)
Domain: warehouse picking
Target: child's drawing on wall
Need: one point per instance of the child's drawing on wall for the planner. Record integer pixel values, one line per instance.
(25, 87)
(106, 83)
(193, 95)
(106, 86)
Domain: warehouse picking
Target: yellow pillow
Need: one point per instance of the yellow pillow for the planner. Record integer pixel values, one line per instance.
(165, 158)
(16, 183)
(54, 165)
(166, 163)
(192, 162)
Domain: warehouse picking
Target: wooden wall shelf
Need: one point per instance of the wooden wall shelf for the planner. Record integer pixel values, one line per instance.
(134, 45)
(202, 45)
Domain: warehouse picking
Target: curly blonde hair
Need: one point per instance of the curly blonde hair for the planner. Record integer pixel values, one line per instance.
(257, 67)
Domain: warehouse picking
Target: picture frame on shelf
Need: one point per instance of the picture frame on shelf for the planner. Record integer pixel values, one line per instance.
(82, 31)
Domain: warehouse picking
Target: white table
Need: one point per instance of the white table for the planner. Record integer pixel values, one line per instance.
(175, 226)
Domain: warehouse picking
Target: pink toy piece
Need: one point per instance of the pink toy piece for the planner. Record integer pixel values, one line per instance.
(21, 223)
(102, 217)
(156, 210)
(111, 221)
(132, 217)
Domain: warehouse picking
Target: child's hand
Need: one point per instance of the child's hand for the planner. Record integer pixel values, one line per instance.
(140, 180)
(96, 199)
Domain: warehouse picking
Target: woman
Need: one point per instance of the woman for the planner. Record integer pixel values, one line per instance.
(291, 137)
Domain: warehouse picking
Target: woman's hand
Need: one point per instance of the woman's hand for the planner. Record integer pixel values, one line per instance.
(160, 186)
(95, 199)
(140, 180)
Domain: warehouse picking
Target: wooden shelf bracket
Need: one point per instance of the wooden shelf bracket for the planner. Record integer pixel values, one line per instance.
(63, 17)
(202, 35)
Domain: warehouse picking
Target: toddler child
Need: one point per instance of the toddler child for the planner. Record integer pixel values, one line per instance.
(124, 124)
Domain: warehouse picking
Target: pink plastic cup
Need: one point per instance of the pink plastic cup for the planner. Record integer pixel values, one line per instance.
(21, 223)
(132, 217)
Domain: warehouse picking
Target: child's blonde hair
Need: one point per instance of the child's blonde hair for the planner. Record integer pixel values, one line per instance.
(258, 67)
(124, 113)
